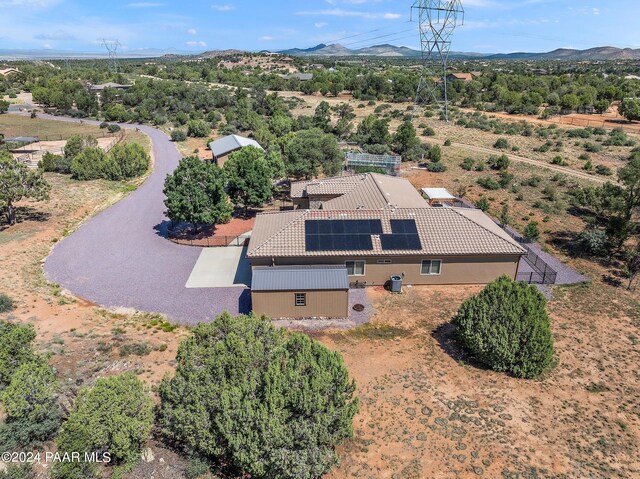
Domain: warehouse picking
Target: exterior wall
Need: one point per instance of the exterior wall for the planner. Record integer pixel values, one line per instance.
(220, 160)
(455, 270)
(301, 203)
(320, 304)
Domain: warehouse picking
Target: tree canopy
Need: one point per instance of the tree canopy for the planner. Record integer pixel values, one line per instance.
(311, 152)
(248, 177)
(18, 182)
(264, 401)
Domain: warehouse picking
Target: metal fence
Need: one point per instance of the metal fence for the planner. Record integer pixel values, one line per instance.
(542, 273)
(212, 241)
(538, 278)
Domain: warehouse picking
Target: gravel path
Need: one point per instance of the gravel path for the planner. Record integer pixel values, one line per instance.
(121, 259)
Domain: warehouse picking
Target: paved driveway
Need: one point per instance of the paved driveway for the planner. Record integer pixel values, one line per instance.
(121, 258)
(221, 268)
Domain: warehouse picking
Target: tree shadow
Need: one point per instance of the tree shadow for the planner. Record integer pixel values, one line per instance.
(447, 337)
(25, 214)
(244, 302)
(567, 242)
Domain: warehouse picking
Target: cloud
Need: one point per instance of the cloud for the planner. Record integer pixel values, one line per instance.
(340, 12)
(194, 43)
(265, 38)
(34, 4)
(57, 35)
(223, 8)
(144, 5)
(192, 31)
(320, 24)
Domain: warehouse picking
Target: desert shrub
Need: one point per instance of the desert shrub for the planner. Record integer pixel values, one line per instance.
(114, 416)
(32, 415)
(437, 167)
(125, 162)
(196, 468)
(489, 183)
(592, 147)
(270, 403)
(505, 179)
(178, 135)
(55, 163)
(113, 128)
(88, 164)
(507, 328)
(468, 164)
(435, 154)
(499, 162)
(593, 241)
(483, 204)
(16, 348)
(428, 131)
(501, 144)
(604, 170)
(447, 142)
(6, 303)
(617, 137)
(558, 160)
(533, 181)
(543, 148)
(104, 125)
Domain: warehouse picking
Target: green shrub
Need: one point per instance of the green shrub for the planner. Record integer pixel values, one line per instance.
(16, 348)
(113, 128)
(178, 135)
(196, 468)
(198, 128)
(501, 144)
(558, 160)
(499, 162)
(428, 131)
(270, 403)
(6, 303)
(125, 162)
(438, 167)
(531, 231)
(55, 163)
(88, 165)
(592, 147)
(468, 164)
(604, 170)
(507, 328)
(483, 204)
(447, 142)
(489, 183)
(114, 416)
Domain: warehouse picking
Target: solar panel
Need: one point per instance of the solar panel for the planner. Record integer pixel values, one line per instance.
(341, 235)
(401, 242)
(404, 226)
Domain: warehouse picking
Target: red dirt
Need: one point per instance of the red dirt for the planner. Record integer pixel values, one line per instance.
(219, 235)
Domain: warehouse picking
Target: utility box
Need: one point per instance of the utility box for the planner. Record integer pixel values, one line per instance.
(395, 285)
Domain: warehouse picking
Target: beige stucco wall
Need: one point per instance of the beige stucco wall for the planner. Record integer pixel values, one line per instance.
(455, 270)
(320, 304)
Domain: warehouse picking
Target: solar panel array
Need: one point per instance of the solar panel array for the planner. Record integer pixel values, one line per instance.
(341, 235)
(404, 236)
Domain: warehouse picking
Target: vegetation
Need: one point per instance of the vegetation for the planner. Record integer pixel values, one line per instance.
(6, 303)
(263, 401)
(115, 415)
(248, 178)
(17, 182)
(507, 328)
(195, 193)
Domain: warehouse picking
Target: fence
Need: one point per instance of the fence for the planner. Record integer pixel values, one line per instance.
(212, 241)
(542, 273)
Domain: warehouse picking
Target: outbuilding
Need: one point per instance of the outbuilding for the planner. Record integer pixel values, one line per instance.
(285, 292)
(223, 147)
(438, 196)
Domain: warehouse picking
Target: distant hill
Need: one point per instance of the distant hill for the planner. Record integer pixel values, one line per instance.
(598, 53)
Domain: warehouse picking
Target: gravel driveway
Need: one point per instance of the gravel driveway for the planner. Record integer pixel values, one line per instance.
(120, 257)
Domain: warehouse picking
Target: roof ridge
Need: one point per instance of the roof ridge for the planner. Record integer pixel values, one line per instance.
(482, 226)
(277, 233)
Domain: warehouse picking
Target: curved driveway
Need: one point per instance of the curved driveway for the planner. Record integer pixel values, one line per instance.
(121, 258)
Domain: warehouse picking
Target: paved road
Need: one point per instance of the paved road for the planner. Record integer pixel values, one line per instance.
(120, 257)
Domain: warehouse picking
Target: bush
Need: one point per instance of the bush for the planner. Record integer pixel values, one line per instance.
(593, 241)
(104, 125)
(15, 349)
(447, 142)
(488, 183)
(270, 403)
(113, 128)
(438, 167)
(125, 162)
(468, 164)
(114, 416)
(55, 163)
(499, 162)
(483, 204)
(507, 328)
(178, 135)
(558, 160)
(592, 147)
(531, 231)
(88, 165)
(428, 131)
(6, 303)
(501, 144)
(604, 170)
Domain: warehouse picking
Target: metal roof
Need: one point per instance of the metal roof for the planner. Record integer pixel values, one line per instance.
(229, 144)
(299, 278)
(22, 139)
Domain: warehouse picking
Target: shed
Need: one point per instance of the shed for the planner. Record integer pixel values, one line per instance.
(438, 195)
(300, 291)
(223, 147)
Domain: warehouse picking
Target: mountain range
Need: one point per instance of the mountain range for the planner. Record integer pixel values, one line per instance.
(392, 51)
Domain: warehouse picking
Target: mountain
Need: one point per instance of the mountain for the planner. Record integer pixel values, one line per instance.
(598, 53)
(50, 54)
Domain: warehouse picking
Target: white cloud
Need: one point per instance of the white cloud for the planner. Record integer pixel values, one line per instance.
(194, 43)
(35, 4)
(192, 31)
(223, 8)
(144, 5)
(265, 38)
(320, 24)
(340, 12)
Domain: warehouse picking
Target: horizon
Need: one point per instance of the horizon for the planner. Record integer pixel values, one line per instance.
(165, 27)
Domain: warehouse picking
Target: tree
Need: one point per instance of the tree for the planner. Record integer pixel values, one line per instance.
(54, 163)
(405, 138)
(500, 163)
(504, 216)
(373, 131)
(30, 406)
(269, 403)
(322, 116)
(88, 165)
(125, 162)
(76, 144)
(248, 178)
(195, 193)
(312, 151)
(198, 128)
(507, 328)
(178, 135)
(18, 182)
(4, 106)
(16, 348)
(531, 231)
(114, 416)
(630, 108)
(631, 267)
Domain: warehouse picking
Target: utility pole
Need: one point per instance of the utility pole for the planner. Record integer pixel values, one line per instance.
(112, 49)
(437, 21)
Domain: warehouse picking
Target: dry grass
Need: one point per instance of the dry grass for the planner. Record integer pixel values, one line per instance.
(16, 125)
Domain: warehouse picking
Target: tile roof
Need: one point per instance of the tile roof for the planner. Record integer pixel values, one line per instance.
(299, 278)
(366, 191)
(442, 231)
(228, 144)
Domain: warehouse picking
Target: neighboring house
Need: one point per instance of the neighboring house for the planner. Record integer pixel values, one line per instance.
(299, 76)
(223, 147)
(371, 231)
(9, 71)
(438, 196)
(116, 86)
(464, 77)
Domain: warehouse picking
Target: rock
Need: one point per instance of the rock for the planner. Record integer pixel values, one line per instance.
(147, 455)
(427, 411)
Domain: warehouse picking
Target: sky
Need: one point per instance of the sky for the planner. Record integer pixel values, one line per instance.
(490, 26)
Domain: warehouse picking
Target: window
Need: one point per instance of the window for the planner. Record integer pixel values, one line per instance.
(385, 261)
(301, 299)
(431, 267)
(355, 268)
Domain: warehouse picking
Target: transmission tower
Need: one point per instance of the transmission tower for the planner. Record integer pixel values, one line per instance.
(438, 19)
(112, 49)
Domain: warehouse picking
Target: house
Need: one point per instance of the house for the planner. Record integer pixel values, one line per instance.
(367, 229)
(223, 147)
(9, 71)
(438, 196)
(116, 86)
(463, 77)
(353, 192)
(298, 76)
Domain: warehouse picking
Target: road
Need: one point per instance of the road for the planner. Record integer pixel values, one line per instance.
(121, 258)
